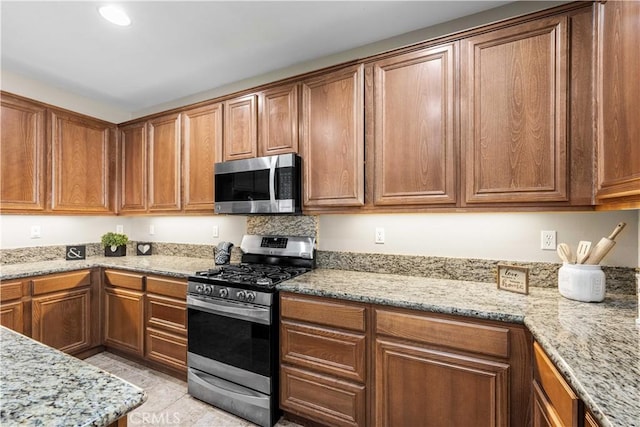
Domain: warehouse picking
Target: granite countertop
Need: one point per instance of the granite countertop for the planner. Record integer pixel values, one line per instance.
(42, 386)
(596, 346)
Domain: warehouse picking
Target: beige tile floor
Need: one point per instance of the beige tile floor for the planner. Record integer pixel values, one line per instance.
(168, 403)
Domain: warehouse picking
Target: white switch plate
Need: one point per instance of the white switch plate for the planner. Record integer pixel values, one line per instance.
(152, 229)
(35, 231)
(120, 229)
(379, 235)
(215, 231)
(548, 240)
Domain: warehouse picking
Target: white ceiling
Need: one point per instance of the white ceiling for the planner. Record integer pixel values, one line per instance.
(174, 49)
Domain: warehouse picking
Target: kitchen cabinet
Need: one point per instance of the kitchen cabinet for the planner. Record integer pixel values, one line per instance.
(124, 312)
(164, 171)
(202, 148)
(278, 114)
(12, 311)
(240, 128)
(62, 308)
(22, 155)
(166, 322)
(82, 164)
(514, 113)
(415, 139)
(133, 168)
(618, 177)
(332, 144)
(323, 360)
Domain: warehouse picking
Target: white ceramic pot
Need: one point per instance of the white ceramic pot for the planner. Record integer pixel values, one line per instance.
(581, 282)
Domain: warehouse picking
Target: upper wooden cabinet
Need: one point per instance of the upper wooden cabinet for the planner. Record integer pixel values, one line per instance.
(202, 146)
(22, 155)
(164, 163)
(278, 113)
(514, 113)
(133, 168)
(619, 103)
(332, 143)
(414, 110)
(240, 128)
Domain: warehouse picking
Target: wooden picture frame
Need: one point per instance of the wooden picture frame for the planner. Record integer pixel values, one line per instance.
(513, 278)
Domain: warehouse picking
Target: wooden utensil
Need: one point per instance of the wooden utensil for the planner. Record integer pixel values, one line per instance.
(604, 246)
(583, 251)
(564, 252)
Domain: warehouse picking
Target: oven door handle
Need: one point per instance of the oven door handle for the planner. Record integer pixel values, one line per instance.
(222, 308)
(228, 389)
(272, 183)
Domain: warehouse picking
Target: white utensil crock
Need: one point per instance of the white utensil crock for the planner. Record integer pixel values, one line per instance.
(581, 282)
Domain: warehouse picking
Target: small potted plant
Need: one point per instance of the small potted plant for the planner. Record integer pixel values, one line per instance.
(115, 244)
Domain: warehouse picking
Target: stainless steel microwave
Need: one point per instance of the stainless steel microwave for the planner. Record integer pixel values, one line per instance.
(262, 185)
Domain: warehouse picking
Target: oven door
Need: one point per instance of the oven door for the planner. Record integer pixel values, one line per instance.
(231, 340)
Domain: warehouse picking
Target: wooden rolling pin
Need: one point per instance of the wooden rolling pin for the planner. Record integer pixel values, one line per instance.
(604, 246)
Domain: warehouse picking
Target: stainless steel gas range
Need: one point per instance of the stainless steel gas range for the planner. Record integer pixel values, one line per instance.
(233, 342)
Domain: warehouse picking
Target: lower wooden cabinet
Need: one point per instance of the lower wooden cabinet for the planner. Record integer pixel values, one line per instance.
(124, 312)
(12, 306)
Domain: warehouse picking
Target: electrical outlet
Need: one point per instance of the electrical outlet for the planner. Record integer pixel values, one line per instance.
(152, 229)
(379, 235)
(548, 240)
(35, 231)
(120, 229)
(215, 231)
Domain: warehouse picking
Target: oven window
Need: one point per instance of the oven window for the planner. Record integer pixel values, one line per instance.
(243, 186)
(238, 343)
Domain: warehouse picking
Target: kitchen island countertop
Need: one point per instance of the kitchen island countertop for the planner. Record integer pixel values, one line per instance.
(41, 386)
(596, 346)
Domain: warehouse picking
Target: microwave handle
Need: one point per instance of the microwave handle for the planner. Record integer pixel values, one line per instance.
(272, 183)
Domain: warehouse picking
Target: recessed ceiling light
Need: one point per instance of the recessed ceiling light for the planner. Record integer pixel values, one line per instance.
(115, 15)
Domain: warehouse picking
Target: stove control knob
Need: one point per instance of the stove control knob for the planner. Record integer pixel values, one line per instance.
(241, 295)
(199, 288)
(251, 296)
(223, 292)
(207, 289)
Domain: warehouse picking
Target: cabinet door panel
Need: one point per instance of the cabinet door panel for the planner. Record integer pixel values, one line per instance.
(202, 140)
(81, 164)
(240, 128)
(124, 320)
(333, 139)
(514, 118)
(62, 320)
(133, 168)
(418, 386)
(12, 316)
(164, 163)
(22, 155)
(278, 121)
(414, 131)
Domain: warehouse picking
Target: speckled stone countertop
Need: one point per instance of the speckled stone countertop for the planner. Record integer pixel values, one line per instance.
(44, 387)
(595, 346)
(153, 264)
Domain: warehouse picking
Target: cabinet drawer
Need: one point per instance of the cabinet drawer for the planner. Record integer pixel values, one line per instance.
(120, 279)
(169, 287)
(60, 282)
(323, 312)
(167, 313)
(167, 349)
(476, 338)
(10, 291)
(324, 399)
(325, 350)
(558, 392)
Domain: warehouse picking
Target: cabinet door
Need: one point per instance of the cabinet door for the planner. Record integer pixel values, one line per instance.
(82, 151)
(164, 163)
(278, 111)
(544, 414)
(414, 128)
(133, 168)
(418, 386)
(619, 102)
(22, 155)
(202, 141)
(240, 128)
(124, 320)
(11, 306)
(514, 115)
(333, 139)
(62, 320)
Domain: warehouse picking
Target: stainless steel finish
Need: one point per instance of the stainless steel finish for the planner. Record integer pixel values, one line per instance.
(272, 183)
(257, 163)
(230, 373)
(256, 207)
(239, 400)
(217, 293)
(235, 310)
(297, 246)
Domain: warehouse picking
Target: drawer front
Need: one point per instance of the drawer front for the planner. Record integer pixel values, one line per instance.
(560, 395)
(12, 316)
(323, 312)
(167, 313)
(465, 336)
(60, 282)
(325, 350)
(167, 349)
(170, 287)
(121, 279)
(324, 399)
(10, 291)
